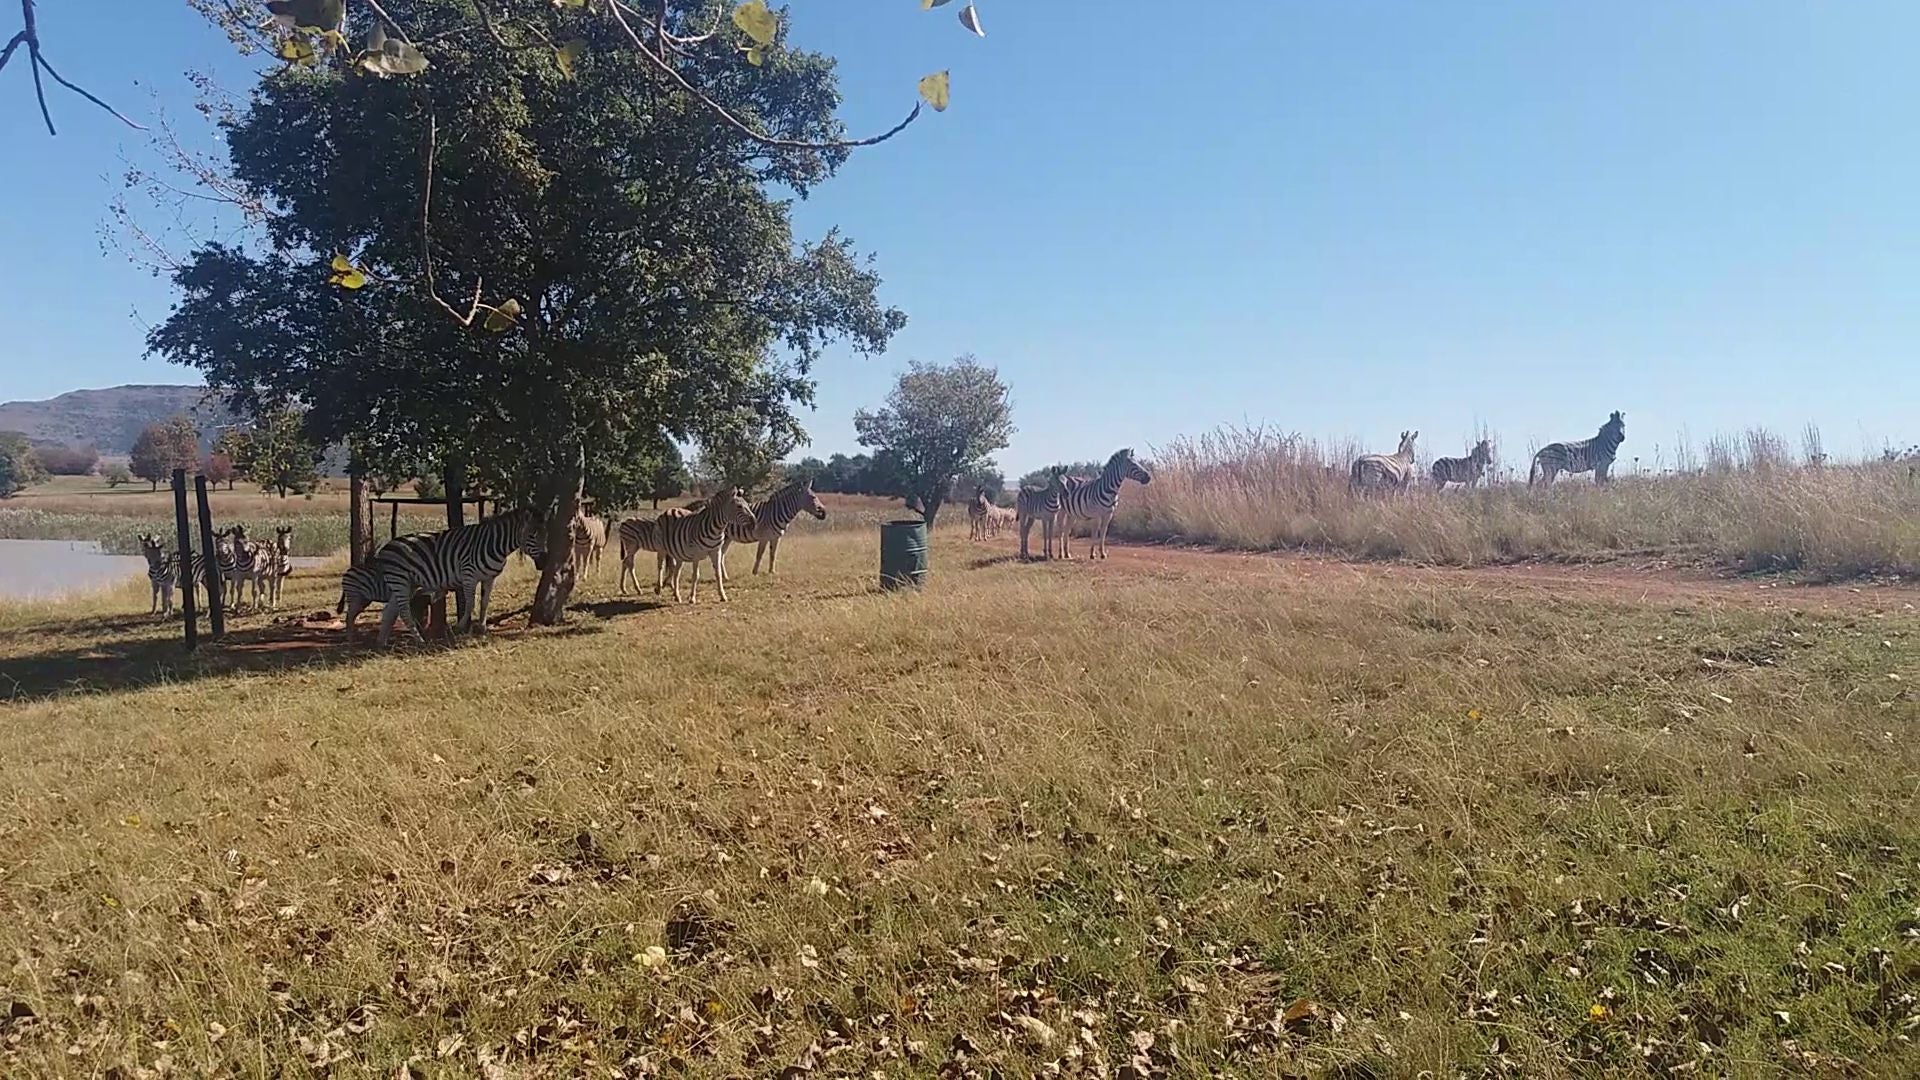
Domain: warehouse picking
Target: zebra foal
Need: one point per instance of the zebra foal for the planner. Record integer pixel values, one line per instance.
(1593, 455)
(1463, 470)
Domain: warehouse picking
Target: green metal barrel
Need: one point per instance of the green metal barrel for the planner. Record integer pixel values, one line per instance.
(903, 554)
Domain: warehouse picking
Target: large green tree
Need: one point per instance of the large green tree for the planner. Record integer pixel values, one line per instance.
(548, 239)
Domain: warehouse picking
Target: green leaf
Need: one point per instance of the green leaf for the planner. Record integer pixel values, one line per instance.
(970, 19)
(755, 21)
(569, 54)
(933, 91)
(503, 316)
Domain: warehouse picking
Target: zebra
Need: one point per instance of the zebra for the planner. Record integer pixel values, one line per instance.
(458, 559)
(1463, 470)
(1041, 505)
(589, 539)
(1095, 500)
(280, 564)
(360, 587)
(163, 572)
(984, 517)
(689, 536)
(1385, 472)
(771, 516)
(637, 535)
(1593, 455)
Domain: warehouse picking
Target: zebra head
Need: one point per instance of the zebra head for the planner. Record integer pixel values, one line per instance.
(154, 550)
(813, 504)
(1482, 452)
(734, 509)
(1405, 453)
(1615, 429)
(283, 538)
(1128, 469)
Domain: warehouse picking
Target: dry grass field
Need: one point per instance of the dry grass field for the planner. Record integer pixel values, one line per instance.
(1175, 814)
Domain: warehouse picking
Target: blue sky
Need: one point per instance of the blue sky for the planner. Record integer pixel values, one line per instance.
(1341, 218)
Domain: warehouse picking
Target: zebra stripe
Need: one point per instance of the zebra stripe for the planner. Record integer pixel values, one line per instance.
(689, 537)
(1593, 455)
(1095, 500)
(456, 559)
(1385, 472)
(771, 516)
(1041, 505)
(637, 535)
(1463, 470)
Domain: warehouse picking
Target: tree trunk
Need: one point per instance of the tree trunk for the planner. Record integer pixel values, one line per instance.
(359, 525)
(454, 482)
(559, 497)
(930, 506)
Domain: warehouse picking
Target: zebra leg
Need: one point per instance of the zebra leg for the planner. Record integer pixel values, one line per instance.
(719, 582)
(773, 552)
(1026, 526)
(626, 570)
(760, 549)
(1100, 535)
(660, 576)
(1603, 473)
(388, 614)
(669, 566)
(477, 619)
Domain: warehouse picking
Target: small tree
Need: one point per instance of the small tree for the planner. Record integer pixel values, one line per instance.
(18, 465)
(218, 469)
(117, 474)
(938, 423)
(281, 457)
(164, 447)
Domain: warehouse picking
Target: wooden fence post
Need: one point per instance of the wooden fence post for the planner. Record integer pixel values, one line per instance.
(216, 607)
(185, 538)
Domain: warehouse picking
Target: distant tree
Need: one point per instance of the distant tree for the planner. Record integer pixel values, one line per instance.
(117, 474)
(164, 447)
(987, 476)
(429, 487)
(741, 453)
(67, 460)
(939, 422)
(1039, 478)
(218, 469)
(625, 472)
(281, 458)
(18, 465)
(807, 468)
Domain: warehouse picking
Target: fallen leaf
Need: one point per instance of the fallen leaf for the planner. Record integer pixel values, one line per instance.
(652, 957)
(1036, 1029)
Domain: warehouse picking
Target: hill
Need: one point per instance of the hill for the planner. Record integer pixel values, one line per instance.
(109, 418)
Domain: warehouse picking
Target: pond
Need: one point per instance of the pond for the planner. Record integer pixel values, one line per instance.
(44, 569)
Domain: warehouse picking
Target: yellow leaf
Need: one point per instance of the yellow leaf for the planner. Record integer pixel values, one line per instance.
(970, 19)
(297, 50)
(1598, 1012)
(756, 56)
(131, 821)
(575, 4)
(933, 91)
(352, 279)
(308, 14)
(108, 900)
(927, 5)
(503, 316)
(654, 956)
(340, 264)
(569, 54)
(755, 21)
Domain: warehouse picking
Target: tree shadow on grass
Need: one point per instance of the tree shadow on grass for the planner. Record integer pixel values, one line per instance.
(608, 609)
(1001, 560)
(113, 662)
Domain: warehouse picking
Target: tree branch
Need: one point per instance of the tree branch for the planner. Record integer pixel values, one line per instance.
(29, 36)
(744, 128)
(426, 242)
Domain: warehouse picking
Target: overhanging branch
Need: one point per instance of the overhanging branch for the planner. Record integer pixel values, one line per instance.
(29, 36)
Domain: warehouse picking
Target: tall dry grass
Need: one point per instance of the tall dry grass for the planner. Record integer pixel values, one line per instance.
(1751, 507)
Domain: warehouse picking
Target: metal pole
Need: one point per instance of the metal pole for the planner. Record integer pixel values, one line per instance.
(185, 538)
(393, 523)
(216, 610)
